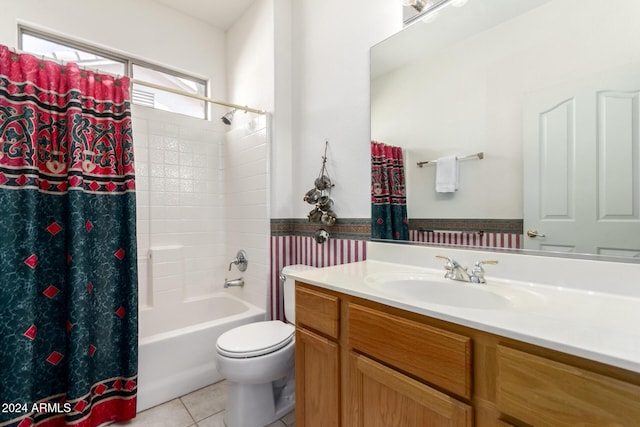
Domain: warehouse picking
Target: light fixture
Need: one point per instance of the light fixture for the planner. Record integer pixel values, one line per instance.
(418, 5)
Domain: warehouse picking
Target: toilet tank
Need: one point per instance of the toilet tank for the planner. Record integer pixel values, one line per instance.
(289, 290)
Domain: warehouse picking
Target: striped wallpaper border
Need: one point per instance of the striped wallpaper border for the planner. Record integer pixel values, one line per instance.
(290, 250)
(485, 240)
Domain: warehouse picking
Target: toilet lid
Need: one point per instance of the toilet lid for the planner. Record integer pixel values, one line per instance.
(255, 339)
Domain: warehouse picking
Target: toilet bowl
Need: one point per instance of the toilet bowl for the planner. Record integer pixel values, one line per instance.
(258, 362)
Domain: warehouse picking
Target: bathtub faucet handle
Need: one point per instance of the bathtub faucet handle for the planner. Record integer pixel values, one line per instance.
(240, 261)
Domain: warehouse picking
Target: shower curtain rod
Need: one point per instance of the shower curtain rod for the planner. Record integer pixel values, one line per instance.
(156, 86)
(193, 95)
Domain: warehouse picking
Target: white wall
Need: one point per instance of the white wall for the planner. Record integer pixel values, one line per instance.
(331, 41)
(259, 65)
(282, 122)
(249, 57)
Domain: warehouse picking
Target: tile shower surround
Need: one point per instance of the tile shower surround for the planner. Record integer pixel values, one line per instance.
(179, 187)
(201, 197)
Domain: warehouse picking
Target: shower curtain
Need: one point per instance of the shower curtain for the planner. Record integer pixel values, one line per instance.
(68, 275)
(388, 197)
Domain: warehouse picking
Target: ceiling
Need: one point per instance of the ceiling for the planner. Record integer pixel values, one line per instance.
(219, 13)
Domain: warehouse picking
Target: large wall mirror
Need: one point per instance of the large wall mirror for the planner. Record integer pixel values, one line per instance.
(548, 90)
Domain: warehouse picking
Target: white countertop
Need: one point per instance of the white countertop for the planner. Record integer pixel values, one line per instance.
(596, 325)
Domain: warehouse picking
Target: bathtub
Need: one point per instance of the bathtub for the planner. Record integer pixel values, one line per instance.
(177, 345)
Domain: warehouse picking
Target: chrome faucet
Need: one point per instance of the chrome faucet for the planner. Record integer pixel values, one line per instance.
(454, 270)
(240, 261)
(457, 272)
(234, 282)
(477, 272)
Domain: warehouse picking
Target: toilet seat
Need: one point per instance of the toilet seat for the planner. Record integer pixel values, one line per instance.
(255, 339)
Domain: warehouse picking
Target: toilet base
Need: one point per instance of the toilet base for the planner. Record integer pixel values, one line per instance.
(258, 405)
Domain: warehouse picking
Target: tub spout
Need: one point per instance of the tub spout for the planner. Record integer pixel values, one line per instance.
(234, 282)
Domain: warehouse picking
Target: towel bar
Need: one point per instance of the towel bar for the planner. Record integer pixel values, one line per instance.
(479, 155)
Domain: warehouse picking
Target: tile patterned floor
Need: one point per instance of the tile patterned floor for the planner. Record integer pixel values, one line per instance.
(202, 408)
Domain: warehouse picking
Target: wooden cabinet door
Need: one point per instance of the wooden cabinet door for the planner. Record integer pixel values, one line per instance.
(383, 397)
(543, 392)
(317, 380)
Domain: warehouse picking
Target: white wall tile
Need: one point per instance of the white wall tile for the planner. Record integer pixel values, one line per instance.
(247, 192)
(195, 211)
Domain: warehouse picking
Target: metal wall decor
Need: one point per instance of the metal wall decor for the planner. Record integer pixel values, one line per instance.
(320, 196)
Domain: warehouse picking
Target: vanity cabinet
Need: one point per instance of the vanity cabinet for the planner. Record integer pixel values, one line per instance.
(364, 364)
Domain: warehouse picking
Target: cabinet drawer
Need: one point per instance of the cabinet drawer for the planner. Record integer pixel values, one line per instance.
(543, 392)
(318, 311)
(439, 357)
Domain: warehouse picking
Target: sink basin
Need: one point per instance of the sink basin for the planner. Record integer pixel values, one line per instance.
(440, 291)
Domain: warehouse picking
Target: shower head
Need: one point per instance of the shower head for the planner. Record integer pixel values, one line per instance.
(228, 118)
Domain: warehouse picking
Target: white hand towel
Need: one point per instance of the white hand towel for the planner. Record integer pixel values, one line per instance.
(447, 174)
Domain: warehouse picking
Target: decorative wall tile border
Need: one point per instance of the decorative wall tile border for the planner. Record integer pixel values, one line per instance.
(360, 228)
(512, 226)
(494, 233)
(347, 228)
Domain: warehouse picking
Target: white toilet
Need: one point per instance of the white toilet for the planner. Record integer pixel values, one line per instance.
(257, 361)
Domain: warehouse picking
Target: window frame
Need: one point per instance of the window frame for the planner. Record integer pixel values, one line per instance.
(127, 61)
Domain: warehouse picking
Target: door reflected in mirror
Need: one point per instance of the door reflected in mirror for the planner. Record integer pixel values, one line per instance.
(549, 91)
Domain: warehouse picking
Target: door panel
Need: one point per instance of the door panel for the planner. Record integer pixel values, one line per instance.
(581, 161)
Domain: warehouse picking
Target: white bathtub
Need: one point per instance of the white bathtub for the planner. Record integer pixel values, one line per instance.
(177, 345)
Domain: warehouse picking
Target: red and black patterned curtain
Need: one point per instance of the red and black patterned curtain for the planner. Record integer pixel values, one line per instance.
(388, 196)
(68, 291)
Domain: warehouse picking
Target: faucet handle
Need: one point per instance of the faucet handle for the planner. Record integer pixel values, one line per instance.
(240, 260)
(477, 272)
(450, 265)
(490, 262)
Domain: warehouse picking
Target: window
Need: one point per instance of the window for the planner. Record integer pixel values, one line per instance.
(164, 100)
(58, 49)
